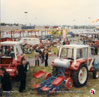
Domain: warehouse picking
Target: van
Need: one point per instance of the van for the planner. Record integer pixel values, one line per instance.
(30, 41)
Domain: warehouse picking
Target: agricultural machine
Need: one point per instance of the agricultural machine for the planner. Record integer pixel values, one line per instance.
(71, 67)
(11, 57)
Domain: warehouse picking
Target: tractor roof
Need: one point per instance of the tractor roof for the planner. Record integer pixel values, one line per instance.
(10, 43)
(75, 46)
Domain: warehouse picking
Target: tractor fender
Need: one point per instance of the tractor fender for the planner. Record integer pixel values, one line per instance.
(75, 65)
(14, 62)
(18, 61)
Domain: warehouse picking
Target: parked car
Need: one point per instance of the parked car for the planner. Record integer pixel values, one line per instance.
(30, 41)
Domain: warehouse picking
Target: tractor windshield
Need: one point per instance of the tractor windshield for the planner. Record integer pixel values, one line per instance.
(8, 51)
(67, 53)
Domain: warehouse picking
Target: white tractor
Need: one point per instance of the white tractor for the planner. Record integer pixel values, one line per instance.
(75, 61)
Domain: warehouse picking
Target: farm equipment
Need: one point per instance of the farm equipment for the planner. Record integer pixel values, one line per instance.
(12, 57)
(70, 68)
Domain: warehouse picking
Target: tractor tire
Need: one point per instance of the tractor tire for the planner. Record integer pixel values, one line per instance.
(95, 74)
(80, 76)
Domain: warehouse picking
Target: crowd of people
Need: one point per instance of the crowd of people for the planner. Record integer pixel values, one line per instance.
(41, 54)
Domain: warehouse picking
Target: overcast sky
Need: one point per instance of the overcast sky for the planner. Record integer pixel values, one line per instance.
(49, 12)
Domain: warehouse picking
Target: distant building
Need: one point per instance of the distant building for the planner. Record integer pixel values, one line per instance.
(28, 27)
(9, 28)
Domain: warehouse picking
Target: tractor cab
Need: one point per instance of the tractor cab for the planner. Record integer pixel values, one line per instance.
(11, 56)
(74, 53)
(74, 61)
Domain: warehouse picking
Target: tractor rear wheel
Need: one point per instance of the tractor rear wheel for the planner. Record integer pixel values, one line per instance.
(80, 76)
(95, 74)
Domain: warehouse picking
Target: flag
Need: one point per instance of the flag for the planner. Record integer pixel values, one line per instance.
(97, 20)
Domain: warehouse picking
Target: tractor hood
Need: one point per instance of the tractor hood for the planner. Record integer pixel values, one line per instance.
(62, 62)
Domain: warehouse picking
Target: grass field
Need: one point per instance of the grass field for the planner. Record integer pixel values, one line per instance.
(92, 83)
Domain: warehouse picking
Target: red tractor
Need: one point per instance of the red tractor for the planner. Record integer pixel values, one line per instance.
(12, 56)
(71, 66)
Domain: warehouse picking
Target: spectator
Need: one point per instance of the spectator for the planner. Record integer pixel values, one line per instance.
(1, 75)
(96, 49)
(46, 57)
(37, 55)
(22, 69)
(0, 53)
(42, 56)
(6, 83)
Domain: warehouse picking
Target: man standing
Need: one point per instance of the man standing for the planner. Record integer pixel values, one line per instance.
(0, 73)
(1, 82)
(0, 52)
(6, 83)
(46, 57)
(37, 55)
(22, 69)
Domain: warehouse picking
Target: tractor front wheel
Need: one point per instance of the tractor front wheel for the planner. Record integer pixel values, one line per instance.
(80, 76)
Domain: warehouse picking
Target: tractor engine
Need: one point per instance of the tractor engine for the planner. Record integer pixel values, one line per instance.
(60, 66)
(62, 63)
